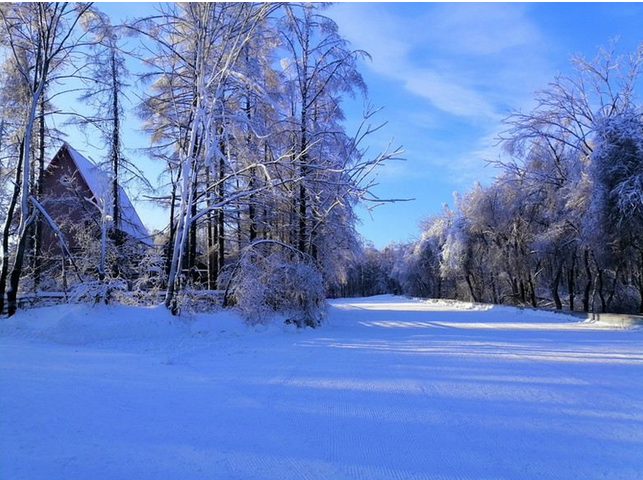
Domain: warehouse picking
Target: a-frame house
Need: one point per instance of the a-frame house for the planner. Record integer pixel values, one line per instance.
(73, 187)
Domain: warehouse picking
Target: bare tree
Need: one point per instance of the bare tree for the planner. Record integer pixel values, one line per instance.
(319, 68)
(40, 41)
(199, 45)
(564, 214)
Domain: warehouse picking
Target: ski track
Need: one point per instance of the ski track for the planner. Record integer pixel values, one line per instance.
(388, 389)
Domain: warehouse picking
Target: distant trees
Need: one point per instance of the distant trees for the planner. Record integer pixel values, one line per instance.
(561, 226)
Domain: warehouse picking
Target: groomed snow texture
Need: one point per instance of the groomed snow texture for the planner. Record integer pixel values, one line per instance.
(389, 388)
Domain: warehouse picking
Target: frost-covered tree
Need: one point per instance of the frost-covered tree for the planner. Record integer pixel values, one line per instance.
(319, 67)
(552, 150)
(39, 42)
(562, 220)
(255, 150)
(198, 45)
(103, 94)
(615, 224)
(274, 278)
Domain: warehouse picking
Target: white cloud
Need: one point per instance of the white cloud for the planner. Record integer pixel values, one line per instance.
(448, 95)
(459, 57)
(481, 28)
(375, 28)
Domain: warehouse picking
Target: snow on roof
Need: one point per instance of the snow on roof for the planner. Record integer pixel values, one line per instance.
(98, 182)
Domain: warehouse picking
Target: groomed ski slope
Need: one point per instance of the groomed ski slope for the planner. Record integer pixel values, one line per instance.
(389, 388)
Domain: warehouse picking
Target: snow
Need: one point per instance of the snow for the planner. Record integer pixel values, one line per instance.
(388, 388)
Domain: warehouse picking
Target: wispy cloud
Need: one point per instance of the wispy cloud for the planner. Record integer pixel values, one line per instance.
(447, 94)
(481, 29)
(462, 67)
(461, 58)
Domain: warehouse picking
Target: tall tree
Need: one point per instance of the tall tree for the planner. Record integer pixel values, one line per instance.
(104, 94)
(198, 47)
(320, 67)
(616, 208)
(40, 41)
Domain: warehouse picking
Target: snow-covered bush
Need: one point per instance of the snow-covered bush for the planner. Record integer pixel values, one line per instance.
(192, 300)
(149, 284)
(271, 279)
(97, 291)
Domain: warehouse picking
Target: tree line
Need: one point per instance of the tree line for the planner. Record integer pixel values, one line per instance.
(242, 103)
(561, 226)
(243, 107)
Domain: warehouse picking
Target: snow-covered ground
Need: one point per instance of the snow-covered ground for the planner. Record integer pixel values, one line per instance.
(389, 388)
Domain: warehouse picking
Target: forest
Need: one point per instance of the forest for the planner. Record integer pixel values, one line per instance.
(560, 227)
(242, 105)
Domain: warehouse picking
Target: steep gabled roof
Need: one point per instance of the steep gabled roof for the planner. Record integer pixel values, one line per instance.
(98, 182)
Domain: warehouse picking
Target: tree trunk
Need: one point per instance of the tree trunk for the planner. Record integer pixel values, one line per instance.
(303, 145)
(175, 279)
(116, 145)
(471, 289)
(220, 212)
(37, 236)
(494, 291)
(588, 283)
(570, 282)
(599, 289)
(210, 234)
(6, 231)
(640, 282)
(14, 278)
(612, 291)
(190, 258)
(169, 250)
(301, 237)
(599, 285)
(25, 217)
(554, 288)
(252, 220)
(532, 292)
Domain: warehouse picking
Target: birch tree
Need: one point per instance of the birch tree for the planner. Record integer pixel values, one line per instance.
(40, 41)
(198, 45)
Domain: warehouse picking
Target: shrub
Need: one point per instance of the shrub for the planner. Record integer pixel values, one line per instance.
(271, 278)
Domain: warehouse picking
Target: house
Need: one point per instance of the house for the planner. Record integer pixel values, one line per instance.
(73, 191)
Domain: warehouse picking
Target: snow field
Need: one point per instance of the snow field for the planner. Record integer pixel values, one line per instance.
(389, 388)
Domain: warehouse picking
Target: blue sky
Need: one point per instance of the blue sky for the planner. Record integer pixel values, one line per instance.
(446, 74)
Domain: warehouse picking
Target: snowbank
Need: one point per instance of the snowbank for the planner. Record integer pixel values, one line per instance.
(114, 324)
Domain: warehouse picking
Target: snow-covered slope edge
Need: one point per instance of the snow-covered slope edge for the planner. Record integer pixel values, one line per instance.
(100, 324)
(107, 324)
